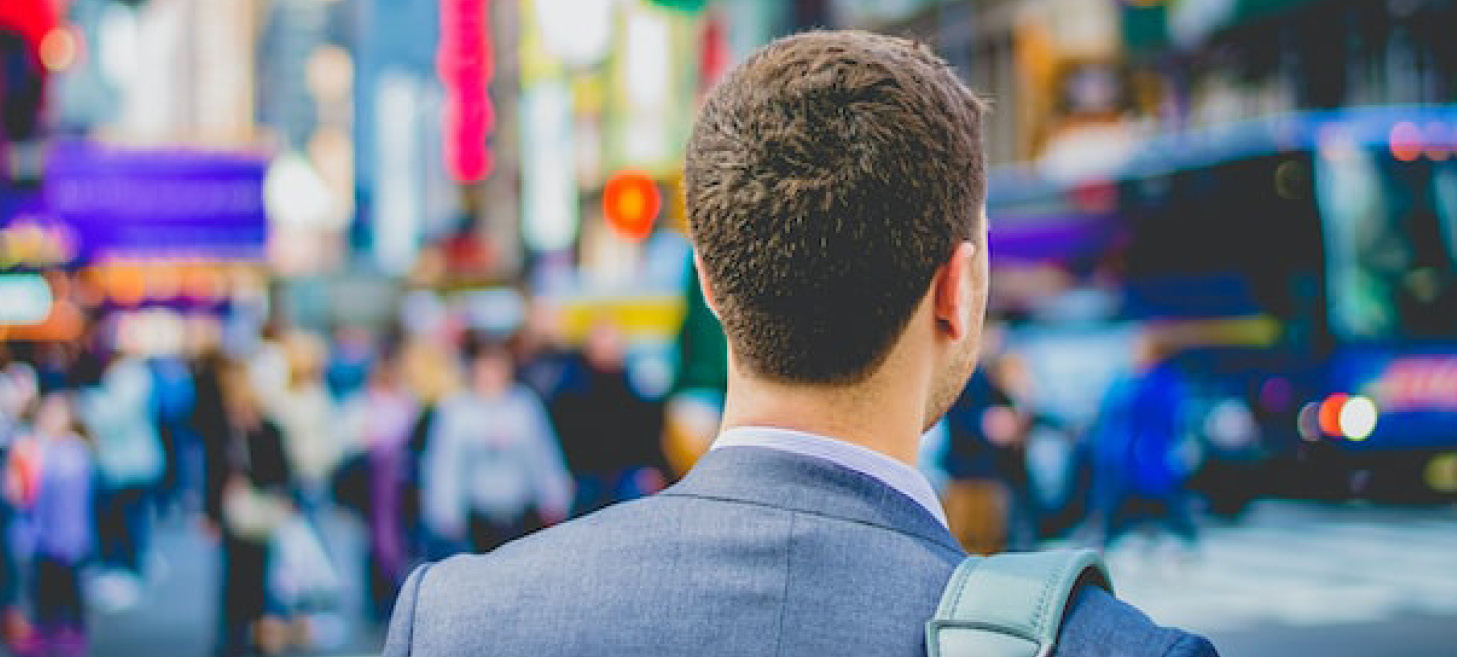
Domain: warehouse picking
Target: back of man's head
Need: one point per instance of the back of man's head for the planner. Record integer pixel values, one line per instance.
(828, 177)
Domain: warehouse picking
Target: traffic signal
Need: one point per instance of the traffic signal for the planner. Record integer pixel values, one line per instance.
(631, 202)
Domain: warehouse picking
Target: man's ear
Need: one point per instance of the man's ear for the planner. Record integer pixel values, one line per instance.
(703, 286)
(952, 294)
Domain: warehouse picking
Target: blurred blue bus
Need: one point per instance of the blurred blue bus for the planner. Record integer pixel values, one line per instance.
(1305, 267)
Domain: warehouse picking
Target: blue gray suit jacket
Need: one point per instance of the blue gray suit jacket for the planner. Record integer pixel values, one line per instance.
(755, 552)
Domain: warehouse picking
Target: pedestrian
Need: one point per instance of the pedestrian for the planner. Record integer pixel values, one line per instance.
(18, 389)
(50, 475)
(493, 469)
(1035, 434)
(249, 497)
(350, 360)
(611, 434)
(539, 347)
(378, 422)
(432, 373)
(835, 192)
(173, 395)
(1141, 474)
(119, 414)
(984, 463)
(306, 414)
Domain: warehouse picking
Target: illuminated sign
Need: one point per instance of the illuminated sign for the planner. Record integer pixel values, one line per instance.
(31, 243)
(1419, 383)
(465, 68)
(124, 203)
(24, 299)
(548, 186)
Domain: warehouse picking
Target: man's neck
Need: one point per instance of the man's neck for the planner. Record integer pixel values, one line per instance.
(867, 415)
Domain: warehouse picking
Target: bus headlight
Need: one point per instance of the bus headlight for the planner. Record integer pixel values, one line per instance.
(1358, 416)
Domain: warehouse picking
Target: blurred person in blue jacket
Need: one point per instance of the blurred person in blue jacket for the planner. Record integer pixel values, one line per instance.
(117, 409)
(174, 394)
(1140, 462)
(351, 359)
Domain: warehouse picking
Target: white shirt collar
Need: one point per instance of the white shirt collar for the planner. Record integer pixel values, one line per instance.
(903, 478)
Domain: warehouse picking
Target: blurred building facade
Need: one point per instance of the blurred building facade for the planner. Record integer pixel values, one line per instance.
(1064, 74)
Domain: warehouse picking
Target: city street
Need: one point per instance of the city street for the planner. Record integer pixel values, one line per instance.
(430, 273)
(176, 615)
(1291, 579)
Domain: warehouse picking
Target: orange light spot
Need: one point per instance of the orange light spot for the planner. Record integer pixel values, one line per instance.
(126, 284)
(203, 283)
(59, 50)
(631, 202)
(1406, 141)
(1330, 414)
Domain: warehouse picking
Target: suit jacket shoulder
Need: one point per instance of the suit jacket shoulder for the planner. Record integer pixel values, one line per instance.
(755, 553)
(1099, 624)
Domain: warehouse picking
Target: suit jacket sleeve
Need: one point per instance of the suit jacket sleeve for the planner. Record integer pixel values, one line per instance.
(1099, 624)
(401, 639)
(1191, 645)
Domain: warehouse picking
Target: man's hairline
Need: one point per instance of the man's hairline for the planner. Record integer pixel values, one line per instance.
(977, 240)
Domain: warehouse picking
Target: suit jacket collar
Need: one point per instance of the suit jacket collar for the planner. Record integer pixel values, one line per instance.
(807, 484)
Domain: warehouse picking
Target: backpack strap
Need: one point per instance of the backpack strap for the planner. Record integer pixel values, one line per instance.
(1010, 605)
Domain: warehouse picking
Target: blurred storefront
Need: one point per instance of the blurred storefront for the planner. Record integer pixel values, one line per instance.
(137, 191)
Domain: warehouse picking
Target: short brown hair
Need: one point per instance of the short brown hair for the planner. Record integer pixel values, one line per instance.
(827, 178)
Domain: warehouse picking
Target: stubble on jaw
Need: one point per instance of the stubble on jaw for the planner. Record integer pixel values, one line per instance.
(949, 383)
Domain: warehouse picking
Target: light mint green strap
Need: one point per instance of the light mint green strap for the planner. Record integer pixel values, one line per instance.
(1010, 605)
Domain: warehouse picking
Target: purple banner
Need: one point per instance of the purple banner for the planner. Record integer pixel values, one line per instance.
(1050, 238)
(125, 204)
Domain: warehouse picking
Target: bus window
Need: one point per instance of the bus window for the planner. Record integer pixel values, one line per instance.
(1229, 240)
(1391, 244)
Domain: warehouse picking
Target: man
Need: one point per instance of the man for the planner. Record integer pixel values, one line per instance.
(835, 189)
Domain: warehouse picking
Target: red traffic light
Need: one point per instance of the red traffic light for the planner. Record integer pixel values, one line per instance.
(631, 202)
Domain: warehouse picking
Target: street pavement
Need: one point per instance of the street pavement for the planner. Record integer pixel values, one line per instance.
(177, 613)
(1306, 579)
(1288, 579)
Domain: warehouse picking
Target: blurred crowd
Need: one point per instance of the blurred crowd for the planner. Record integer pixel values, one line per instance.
(1014, 476)
(438, 445)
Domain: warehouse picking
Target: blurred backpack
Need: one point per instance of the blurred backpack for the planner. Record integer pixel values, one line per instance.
(1011, 604)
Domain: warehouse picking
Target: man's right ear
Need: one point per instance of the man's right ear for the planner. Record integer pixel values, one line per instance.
(704, 287)
(953, 293)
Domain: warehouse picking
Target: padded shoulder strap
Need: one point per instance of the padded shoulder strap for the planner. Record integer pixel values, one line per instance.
(1010, 605)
